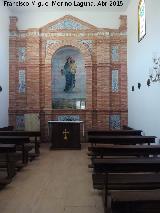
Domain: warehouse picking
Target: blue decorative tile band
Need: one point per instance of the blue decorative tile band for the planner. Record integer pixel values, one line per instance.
(115, 81)
(21, 54)
(115, 53)
(68, 25)
(20, 122)
(68, 118)
(22, 82)
(114, 121)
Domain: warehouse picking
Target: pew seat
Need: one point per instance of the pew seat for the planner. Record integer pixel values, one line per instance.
(8, 163)
(4, 181)
(8, 159)
(131, 192)
(134, 202)
(103, 151)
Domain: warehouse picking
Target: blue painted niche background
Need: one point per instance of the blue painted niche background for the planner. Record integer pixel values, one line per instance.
(62, 98)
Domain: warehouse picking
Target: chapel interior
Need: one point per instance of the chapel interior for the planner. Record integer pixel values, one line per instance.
(79, 106)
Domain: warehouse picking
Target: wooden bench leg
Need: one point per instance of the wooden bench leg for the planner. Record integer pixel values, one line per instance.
(25, 159)
(24, 155)
(108, 203)
(37, 146)
(107, 197)
(11, 165)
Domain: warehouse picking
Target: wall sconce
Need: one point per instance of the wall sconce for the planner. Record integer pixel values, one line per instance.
(132, 88)
(139, 85)
(154, 72)
(0, 89)
(148, 83)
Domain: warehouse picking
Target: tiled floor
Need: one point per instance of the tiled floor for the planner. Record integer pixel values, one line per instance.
(57, 182)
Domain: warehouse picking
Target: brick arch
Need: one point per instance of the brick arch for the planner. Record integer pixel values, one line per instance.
(50, 52)
(52, 49)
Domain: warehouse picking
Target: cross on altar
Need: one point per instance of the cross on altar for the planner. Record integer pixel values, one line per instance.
(65, 132)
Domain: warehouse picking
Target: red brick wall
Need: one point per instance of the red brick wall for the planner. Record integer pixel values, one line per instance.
(100, 100)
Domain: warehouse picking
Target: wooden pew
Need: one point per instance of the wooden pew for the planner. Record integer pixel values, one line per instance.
(7, 128)
(115, 151)
(132, 193)
(123, 150)
(34, 134)
(122, 140)
(139, 181)
(19, 141)
(125, 127)
(4, 182)
(148, 201)
(8, 161)
(126, 165)
(135, 165)
(119, 132)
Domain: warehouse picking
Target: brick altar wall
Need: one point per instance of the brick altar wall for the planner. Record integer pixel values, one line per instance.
(105, 56)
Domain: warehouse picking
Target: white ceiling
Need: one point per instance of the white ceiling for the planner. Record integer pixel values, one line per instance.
(46, 5)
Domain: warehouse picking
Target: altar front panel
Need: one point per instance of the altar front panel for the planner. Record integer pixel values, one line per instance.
(64, 135)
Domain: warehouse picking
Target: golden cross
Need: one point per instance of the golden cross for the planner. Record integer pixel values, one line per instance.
(65, 134)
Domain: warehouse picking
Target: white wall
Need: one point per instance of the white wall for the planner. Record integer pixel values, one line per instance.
(143, 104)
(36, 19)
(4, 58)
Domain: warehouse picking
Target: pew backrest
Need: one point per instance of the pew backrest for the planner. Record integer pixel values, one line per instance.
(113, 132)
(126, 165)
(7, 128)
(128, 140)
(124, 150)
